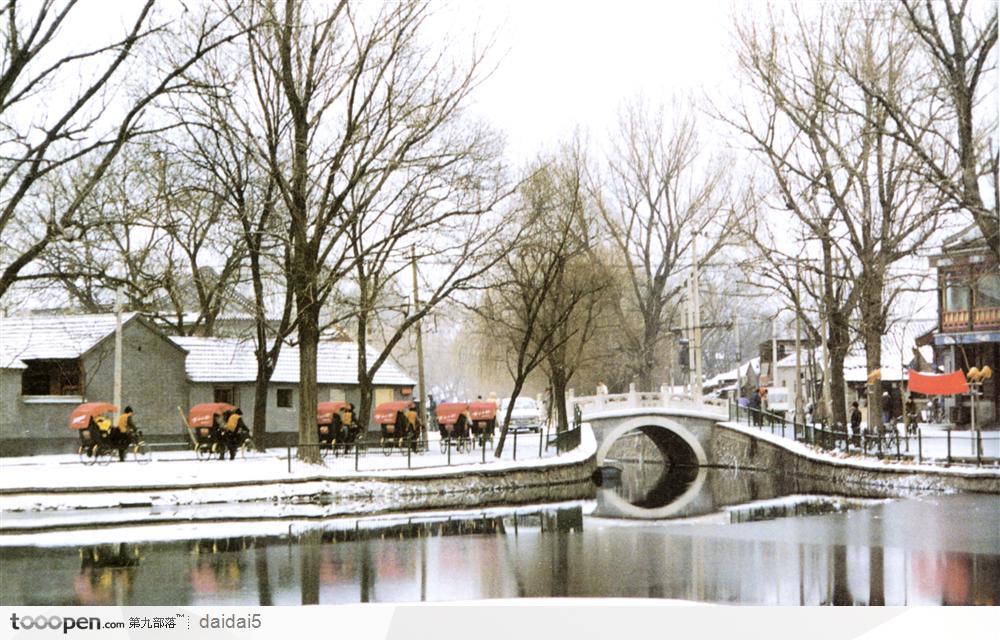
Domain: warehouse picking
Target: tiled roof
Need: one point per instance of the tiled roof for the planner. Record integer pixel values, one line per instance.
(231, 360)
(61, 336)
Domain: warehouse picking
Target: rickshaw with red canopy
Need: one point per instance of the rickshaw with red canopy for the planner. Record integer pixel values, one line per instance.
(453, 419)
(483, 416)
(336, 425)
(205, 423)
(93, 423)
(399, 424)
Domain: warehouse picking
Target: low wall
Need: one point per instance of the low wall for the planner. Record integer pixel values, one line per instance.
(740, 447)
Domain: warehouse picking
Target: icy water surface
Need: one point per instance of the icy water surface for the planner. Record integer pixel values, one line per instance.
(739, 538)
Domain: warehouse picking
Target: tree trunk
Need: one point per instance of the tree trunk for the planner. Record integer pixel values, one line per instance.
(837, 345)
(559, 383)
(308, 347)
(872, 328)
(518, 385)
(260, 401)
(365, 386)
(647, 363)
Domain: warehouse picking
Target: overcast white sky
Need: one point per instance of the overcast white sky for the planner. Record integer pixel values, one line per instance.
(566, 64)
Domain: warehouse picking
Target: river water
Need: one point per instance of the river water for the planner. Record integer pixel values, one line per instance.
(738, 538)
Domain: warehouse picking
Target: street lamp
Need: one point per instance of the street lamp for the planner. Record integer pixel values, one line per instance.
(976, 378)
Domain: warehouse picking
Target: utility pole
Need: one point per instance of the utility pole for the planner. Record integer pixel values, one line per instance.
(697, 320)
(774, 349)
(739, 355)
(689, 335)
(827, 401)
(420, 349)
(798, 344)
(117, 393)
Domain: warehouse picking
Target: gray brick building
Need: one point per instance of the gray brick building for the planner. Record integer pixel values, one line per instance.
(50, 364)
(224, 370)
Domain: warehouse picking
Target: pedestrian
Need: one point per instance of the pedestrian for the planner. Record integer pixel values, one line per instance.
(912, 415)
(755, 407)
(855, 423)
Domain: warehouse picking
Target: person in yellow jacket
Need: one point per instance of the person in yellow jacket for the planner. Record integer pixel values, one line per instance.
(234, 432)
(123, 433)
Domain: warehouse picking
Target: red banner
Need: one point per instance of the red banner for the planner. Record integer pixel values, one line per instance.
(938, 384)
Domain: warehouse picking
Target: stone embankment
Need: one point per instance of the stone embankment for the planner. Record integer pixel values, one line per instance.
(742, 447)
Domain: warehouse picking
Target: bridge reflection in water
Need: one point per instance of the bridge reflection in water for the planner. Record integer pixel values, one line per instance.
(766, 544)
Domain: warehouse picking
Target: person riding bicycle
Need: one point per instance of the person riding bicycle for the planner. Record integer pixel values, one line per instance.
(348, 428)
(412, 424)
(124, 433)
(234, 434)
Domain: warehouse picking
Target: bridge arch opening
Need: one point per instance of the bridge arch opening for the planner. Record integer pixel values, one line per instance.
(675, 442)
(675, 488)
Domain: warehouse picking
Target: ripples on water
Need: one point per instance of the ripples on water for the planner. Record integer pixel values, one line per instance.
(740, 537)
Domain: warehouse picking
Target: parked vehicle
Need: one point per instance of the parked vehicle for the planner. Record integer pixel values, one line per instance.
(526, 416)
(454, 422)
(778, 401)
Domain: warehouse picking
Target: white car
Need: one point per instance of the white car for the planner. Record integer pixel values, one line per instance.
(525, 418)
(777, 400)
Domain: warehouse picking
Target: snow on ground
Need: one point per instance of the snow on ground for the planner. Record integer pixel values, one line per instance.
(173, 478)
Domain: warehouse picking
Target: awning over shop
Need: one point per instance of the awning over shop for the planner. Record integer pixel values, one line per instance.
(966, 337)
(938, 384)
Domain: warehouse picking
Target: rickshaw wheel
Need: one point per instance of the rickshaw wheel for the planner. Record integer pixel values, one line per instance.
(203, 452)
(141, 452)
(105, 455)
(444, 444)
(87, 459)
(247, 447)
(387, 448)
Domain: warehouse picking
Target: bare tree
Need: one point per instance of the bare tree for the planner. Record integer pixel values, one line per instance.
(58, 147)
(959, 151)
(527, 312)
(858, 197)
(661, 192)
(351, 103)
(160, 233)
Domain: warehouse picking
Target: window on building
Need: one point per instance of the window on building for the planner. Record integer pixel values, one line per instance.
(285, 398)
(224, 394)
(956, 296)
(51, 378)
(988, 292)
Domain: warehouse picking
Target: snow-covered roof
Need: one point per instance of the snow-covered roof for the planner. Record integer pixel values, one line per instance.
(232, 360)
(52, 336)
(788, 362)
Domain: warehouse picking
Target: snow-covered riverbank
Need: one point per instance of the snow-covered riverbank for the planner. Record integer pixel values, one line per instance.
(61, 482)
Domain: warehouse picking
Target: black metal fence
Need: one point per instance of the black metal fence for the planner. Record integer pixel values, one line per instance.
(949, 447)
(364, 451)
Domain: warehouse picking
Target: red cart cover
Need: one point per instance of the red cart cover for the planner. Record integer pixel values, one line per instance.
(326, 410)
(200, 415)
(385, 413)
(482, 411)
(448, 412)
(938, 384)
(81, 416)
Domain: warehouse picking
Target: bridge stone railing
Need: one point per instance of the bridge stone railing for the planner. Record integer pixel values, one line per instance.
(634, 399)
